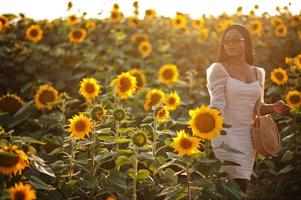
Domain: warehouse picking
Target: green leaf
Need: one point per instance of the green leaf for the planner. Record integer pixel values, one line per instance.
(229, 148)
(24, 139)
(122, 160)
(228, 162)
(286, 169)
(287, 156)
(142, 174)
(225, 125)
(39, 184)
(229, 189)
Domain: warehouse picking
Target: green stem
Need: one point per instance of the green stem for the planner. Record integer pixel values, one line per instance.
(92, 194)
(72, 158)
(188, 182)
(154, 136)
(135, 166)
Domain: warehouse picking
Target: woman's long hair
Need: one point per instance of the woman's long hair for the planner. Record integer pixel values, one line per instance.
(223, 56)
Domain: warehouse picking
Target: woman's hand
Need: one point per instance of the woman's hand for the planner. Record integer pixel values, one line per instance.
(280, 107)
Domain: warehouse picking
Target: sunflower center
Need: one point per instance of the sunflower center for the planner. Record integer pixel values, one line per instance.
(255, 26)
(125, 84)
(280, 30)
(185, 143)
(8, 159)
(144, 47)
(168, 74)
(205, 122)
(2, 21)
(279, 76)
(89, 88)
(178, 21)
(34, 33)
(295, 99)
(138, 79)
(155, 98)
(46, 96)
(20, 195)
(114, 15)
(72, 18)
(171, 101)
(10, 105)
(77, 34)
(80, 126)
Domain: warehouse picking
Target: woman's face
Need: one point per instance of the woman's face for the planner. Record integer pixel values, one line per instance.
(234, 43)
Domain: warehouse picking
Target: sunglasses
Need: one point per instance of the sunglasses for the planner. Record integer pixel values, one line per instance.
(233, 40)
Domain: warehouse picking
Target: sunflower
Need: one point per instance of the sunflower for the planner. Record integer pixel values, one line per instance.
(293, 98)
(10, 103)
(139, 139)
(279, 76)
(4, 21)
(239, 10)
(77, 35)
(288, 60)
(22, 191)
(90, 25)
(46, 94)
(72, 19)
(116, 16)
(153, 97)
(172, 101)
(140, 77)
(162, 114)
(185, 144)
(80, 126)
(256, 28)
(145, 48)
(203, 35)
(89, 88)
(168, 73)
(133, 21)
(281, 30)
(150, 14)
(198, 23)
(98, 113)
(119, 114)
(125, 85)
(179, 21)
(110, 197)
(34, 33)
(138, 38)
(276, 21)
(115, 7)
(298, 60)
(205, 123)
(12, 160)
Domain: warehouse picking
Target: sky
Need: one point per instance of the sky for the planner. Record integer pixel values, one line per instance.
(50, 9)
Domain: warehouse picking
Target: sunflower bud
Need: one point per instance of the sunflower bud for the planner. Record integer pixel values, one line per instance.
(139, 139)
(119, 114)
(98, 113)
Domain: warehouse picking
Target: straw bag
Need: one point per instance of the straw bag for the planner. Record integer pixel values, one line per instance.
(265, 137)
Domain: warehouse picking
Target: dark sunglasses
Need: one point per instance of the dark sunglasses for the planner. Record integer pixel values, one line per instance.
(233, 40)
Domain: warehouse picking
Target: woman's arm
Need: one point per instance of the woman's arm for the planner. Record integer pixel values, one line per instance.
(266, 109)
(279, 107)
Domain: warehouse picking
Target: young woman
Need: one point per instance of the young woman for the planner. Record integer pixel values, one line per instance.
(234, 88)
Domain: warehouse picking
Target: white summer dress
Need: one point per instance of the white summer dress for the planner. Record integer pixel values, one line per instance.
(236, 100)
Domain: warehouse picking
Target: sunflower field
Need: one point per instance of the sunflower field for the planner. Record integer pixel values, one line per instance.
(117, 108)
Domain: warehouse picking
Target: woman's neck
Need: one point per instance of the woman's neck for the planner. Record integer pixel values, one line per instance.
(236, 61)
